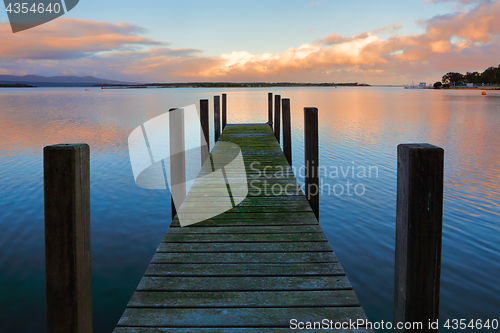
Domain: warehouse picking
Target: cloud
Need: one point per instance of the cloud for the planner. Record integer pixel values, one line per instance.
(389, 29)
(312, 3)
(338, 39)
(67, 38)
(462, 2)
(450, 42)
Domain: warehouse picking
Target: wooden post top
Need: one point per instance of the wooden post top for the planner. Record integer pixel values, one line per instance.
(311, 109)
(418, 146)
(60, 146)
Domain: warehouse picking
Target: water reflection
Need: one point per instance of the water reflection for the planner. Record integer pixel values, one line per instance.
(357, 125)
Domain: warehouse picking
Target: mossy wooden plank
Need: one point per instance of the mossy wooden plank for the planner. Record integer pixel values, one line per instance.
(267, 269)
(229, 330)
(252, 165)
(262, 193)
(241, 238)
(261, 215)
(259, 299)
(254, 179)
(254, 189)
(254, 201)
(244, 283)
(274, 186)
(252, 205)
(255, 209)
(217, 222)
(244, 257)
(239, 317)
(251, 268)
(246, 247)
(246, 230)
(252, 194)
(262, 179)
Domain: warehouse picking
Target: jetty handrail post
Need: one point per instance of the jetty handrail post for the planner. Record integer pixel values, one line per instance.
(287, 130)
(277, 120)
(205, 131)
(216, 118)
(177, 158)
(224, 115)
(311, 160)
(270, 109)
(419, 224)
(66, 177)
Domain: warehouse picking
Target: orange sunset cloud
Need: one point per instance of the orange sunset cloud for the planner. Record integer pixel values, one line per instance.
(466, 40)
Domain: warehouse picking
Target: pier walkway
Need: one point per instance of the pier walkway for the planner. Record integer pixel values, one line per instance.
(262, 266)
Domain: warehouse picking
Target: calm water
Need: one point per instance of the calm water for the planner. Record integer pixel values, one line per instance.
(359, 128)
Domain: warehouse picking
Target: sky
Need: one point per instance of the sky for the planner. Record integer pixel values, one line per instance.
(365, 41)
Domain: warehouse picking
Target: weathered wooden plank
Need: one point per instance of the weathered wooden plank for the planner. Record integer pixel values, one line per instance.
(240, 317)
(216, 222)
(244, 257)
(229, 215)
(242, 238)
(250, 269)
(256, 188)
(267, 269)
(255, 209)
(259, 299)
(279, 205)
(246, 247)
(247, 230)
(269, 179)
(229, 330)
(269, 173)
(257, 201)
(263, 193)
(274, 186)
(245, 283)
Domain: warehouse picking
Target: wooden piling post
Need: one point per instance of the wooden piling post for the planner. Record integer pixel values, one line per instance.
(217, 117)
(270, 109)
(277, 120)
(311, 159)
(419, 223)
(177, 158)
(205, 138)
(224, 115)
(287, 130)
(67, 238)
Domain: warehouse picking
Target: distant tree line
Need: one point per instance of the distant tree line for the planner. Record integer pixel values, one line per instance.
(250, 84)
(15, 85)
(490, 76)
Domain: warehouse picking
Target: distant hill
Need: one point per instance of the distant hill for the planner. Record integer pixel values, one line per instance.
(59, 81)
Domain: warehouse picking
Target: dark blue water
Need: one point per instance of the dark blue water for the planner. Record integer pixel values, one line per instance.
(360, 129)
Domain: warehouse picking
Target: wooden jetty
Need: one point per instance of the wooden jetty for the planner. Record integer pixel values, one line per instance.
(253, 268)
(261, 264)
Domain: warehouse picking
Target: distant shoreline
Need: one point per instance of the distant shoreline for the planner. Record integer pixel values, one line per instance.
(16, 85)
(233, 85)
(242, 85)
